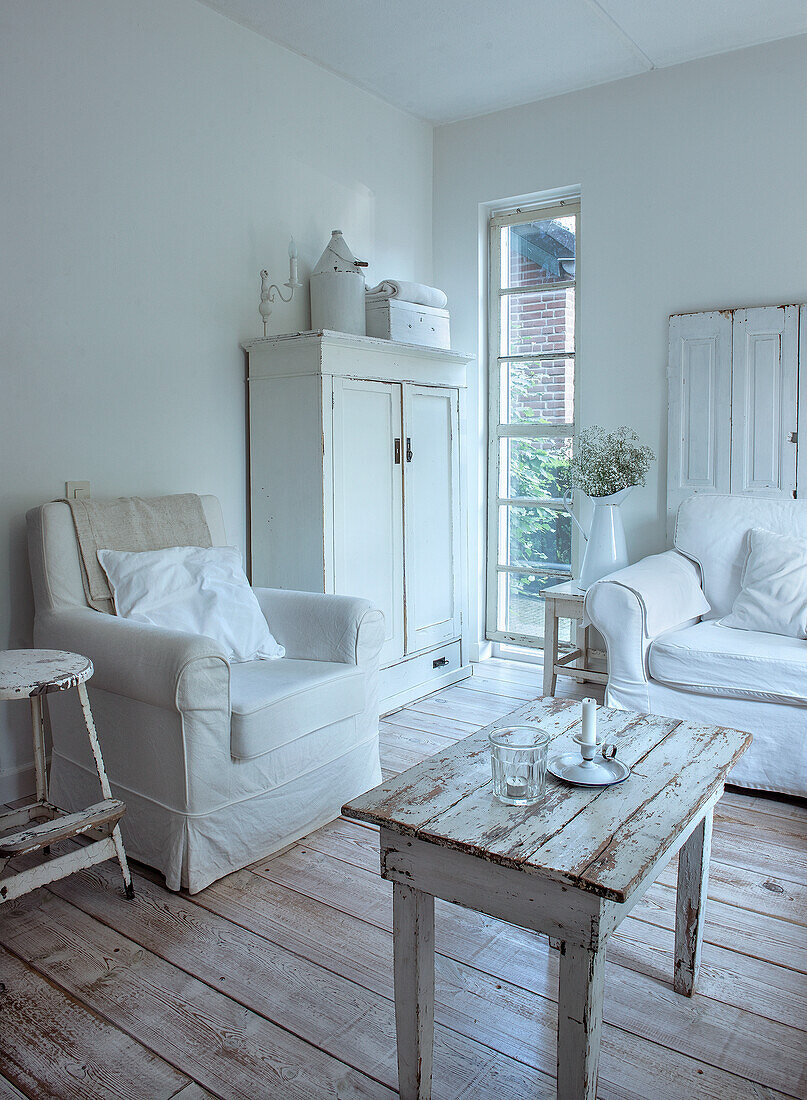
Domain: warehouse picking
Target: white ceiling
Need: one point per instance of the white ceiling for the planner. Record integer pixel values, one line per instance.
(447, 59)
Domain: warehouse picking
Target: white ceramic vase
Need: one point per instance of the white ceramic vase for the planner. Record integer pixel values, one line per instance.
(606, 549)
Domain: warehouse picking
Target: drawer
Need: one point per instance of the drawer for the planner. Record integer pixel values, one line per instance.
(416, 676)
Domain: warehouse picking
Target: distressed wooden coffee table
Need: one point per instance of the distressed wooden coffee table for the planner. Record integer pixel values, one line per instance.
(573, 866)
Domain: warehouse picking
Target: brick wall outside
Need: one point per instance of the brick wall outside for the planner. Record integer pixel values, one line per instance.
(541, 322)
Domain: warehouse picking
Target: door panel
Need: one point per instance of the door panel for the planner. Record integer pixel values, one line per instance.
(368, 505)
(431, 507)
(764, 414)
(698, 459)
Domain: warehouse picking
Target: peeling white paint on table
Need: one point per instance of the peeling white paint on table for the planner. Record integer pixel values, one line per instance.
(571, 867)
(30, 674)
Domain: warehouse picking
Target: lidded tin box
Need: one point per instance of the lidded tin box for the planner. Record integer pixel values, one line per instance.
(408, 322)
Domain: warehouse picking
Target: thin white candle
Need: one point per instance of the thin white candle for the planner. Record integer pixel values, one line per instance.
(589, 732)
(292, 262)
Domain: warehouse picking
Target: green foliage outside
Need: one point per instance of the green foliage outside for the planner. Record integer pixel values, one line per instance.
(538, 468)
(539, 535)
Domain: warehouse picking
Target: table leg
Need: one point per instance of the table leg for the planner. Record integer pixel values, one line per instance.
(584, 646)
(580, 991)
(550, 647)
(693, 877)
(413, 948)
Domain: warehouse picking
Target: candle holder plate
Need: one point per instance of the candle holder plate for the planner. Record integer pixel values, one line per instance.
(569, 767)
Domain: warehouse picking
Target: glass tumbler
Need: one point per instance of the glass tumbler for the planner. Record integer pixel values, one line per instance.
(518, 764)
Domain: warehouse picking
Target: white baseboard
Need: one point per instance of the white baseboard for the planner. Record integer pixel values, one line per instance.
(479, 651)
(19, 782)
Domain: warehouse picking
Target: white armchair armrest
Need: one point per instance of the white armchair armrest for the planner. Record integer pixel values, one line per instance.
(147, 663)
(317, 627)
(632, 607)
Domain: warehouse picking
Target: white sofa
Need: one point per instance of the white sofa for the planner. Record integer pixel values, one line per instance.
(668, 655)
(219, 765)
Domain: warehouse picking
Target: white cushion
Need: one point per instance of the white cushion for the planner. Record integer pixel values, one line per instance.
(773, 597)
(275, 704)
(742, 664)
(198, 590)
(712, 530)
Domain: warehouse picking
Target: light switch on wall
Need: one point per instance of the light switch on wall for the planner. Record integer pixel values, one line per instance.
(75, 489)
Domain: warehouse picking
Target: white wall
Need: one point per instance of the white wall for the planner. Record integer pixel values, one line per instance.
(693, 185)
(155, 156)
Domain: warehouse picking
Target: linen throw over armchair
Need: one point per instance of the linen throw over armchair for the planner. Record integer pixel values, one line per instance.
(669, 654)
(219, 765)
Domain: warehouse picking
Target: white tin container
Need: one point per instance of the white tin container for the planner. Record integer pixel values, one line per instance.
(337, 289)
(408, 323)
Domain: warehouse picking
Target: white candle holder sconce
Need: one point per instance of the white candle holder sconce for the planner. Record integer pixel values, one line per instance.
(268, 290)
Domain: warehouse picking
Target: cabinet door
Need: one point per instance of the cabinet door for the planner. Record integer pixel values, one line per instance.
(368, 506)
(432, 517)
(763, 405)
(699, 440)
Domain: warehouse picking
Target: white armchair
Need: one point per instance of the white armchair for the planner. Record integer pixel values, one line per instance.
(219, 765)
(668, 655)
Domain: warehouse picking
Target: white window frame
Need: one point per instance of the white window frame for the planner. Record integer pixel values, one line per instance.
(524, 430)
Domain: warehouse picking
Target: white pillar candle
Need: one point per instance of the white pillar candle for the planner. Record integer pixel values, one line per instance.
(589, 732)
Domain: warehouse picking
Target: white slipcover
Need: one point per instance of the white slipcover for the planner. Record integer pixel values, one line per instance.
(717, 660)
(172, 715)
(667, 655)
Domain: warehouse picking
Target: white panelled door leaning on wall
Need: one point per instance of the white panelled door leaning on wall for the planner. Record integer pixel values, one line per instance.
(734, 403)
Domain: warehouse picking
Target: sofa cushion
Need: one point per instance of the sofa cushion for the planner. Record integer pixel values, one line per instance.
(744, 664)
(712, 530)
(275, 702)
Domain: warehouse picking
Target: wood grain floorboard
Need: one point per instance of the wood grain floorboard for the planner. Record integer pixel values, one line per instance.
(51, 1045)
(276, 982)
(646, 1008)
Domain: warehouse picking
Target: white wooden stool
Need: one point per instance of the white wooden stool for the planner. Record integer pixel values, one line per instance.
(30, 674)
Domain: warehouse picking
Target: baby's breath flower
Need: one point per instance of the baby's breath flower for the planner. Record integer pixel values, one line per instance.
(605, 462)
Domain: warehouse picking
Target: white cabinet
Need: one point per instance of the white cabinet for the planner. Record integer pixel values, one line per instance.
(368, 547)
(431, 480)
(355, 487)
(733, 403)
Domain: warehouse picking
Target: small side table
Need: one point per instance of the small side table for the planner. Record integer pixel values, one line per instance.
(565, 601)
(30, 674)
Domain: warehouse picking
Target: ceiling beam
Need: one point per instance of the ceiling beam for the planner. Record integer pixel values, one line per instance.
(609, 21)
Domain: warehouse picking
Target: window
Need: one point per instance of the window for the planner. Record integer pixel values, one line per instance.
(533, 256)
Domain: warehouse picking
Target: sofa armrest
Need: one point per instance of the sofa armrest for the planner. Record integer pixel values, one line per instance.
(148, 663)
(317, 627)
(632, 607)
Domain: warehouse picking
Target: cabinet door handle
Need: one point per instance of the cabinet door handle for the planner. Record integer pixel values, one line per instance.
(441, 662)
(408, 449)
(397, 451)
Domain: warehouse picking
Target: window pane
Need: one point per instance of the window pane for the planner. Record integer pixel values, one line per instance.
(535, 538)
(536, 324)
(538, 253)
(534, 467)
(541, 392)
(521, 606)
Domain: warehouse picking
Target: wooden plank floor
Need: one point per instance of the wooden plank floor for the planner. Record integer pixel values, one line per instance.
(276, 982)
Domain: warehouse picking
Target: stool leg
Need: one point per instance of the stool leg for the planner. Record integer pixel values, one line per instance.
(39, 749)
(106, 790)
